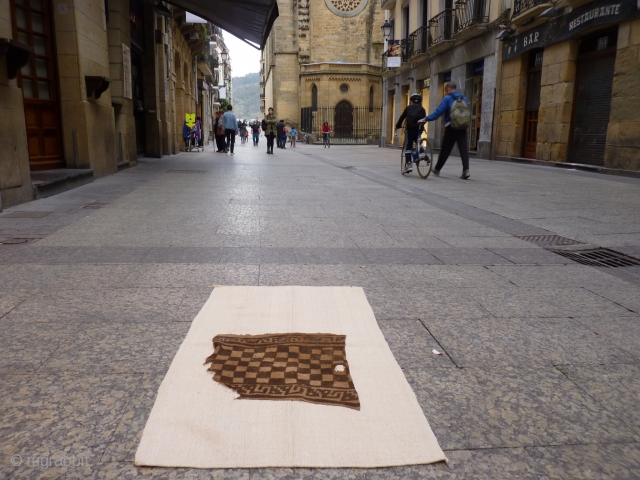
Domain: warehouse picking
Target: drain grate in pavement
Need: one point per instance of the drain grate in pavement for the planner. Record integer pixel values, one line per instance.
(26, 215)
(186, 171)
(599, 257)
(347, 168)
(14, 241)
(549, 240)
(95, 205)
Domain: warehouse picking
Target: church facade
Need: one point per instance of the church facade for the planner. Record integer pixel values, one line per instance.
(323, 62)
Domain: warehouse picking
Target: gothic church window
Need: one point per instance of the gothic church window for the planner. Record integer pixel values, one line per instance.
(346, 8)
(314, 98)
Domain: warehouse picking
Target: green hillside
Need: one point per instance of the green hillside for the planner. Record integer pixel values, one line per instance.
(246, 96)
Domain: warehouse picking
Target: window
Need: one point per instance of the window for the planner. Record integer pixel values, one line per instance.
(425, 12)
(344, 88)
(405, 22)
(371, 99)
(314, 98)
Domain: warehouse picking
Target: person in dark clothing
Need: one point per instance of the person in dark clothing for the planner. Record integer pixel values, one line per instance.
(281, 135)
(451, 135)
(270, 129)
(218, 131)
(413, 114)
(255, 130)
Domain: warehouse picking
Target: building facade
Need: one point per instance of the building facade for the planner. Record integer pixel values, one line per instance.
(443, 41)
(570, 83)
(87, 87)
(322, 62)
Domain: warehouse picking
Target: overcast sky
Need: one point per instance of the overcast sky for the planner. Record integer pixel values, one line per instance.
(244, 58)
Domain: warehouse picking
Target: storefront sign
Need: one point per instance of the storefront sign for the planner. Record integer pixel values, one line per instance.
(600, 12)
(126, 72)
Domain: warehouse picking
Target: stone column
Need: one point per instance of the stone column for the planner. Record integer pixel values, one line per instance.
(513, 94)
(15, 180)
(623, 135)
(556, 101)
(82, 50)
(118, 35)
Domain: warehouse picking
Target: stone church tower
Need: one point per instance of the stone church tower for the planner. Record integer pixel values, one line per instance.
(324, 54)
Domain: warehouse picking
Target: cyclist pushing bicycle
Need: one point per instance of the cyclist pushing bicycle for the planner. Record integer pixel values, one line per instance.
(412, 114)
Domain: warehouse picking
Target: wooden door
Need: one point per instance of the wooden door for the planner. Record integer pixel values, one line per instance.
(343, 120)
(31, 20)
(530, 133)
(532, 105)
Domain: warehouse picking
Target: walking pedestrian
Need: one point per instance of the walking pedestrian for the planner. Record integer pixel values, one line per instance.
(270, 129)
(242, 126)
(294, 134)
(280, 132)
(457, 117)
(326, 134)
(255, 130)
(218, 131)
(230, 124)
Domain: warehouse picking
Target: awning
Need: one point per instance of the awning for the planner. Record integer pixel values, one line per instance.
(249, 20)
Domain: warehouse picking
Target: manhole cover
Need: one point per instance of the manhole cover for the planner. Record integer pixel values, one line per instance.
(549, 240)
(26, 215)
(14, 241)
(186, 171)
(599, 257)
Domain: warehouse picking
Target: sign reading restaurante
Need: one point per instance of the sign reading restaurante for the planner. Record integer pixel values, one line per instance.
(600, 12)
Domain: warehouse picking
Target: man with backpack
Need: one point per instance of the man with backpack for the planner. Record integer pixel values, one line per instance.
(457, 117)
(413, 113)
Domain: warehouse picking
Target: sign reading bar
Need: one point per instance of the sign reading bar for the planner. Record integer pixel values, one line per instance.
(600, 12)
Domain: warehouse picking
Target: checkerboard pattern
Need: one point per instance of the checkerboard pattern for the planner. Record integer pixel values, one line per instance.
(297, 366)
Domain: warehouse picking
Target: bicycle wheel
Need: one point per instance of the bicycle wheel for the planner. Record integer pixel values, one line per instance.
(425, 158)
(403, 160)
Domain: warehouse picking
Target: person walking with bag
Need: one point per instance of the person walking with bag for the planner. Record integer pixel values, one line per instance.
(255, 129)
(230, 124)
(270, 129)
(218, 131)
(457, 116)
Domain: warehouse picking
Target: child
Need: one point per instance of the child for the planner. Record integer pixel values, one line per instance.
(294, 134)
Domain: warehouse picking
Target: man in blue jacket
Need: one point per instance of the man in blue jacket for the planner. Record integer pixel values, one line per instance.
(451, 136)
(230, 125)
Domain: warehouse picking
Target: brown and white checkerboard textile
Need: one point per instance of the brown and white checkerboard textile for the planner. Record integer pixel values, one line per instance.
(291, 366)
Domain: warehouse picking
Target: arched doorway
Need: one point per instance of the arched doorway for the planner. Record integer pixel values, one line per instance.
(343, 120)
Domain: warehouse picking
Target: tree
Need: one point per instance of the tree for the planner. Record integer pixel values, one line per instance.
(223, 104)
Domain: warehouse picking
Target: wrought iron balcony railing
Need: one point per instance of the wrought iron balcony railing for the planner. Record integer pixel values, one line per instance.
(419, 41)
(471, 12)
(521, 6)
(441, 27)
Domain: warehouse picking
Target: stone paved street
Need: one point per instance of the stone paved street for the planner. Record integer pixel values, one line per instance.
(540, 377)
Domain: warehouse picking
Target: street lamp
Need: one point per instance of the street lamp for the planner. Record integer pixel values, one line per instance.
(224, 55)
(386, 29)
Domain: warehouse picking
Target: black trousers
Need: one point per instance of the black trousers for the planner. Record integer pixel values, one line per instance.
(412, 136)
(231, 138)
(451, 137)
(221, 142)
(270, 138)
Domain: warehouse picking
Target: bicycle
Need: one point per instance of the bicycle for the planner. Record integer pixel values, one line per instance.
(423, 159)
(306, 138)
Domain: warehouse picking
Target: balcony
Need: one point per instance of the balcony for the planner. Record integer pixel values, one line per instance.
(441, 28)
(419, 42)
(524, 10)
(471, 16)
